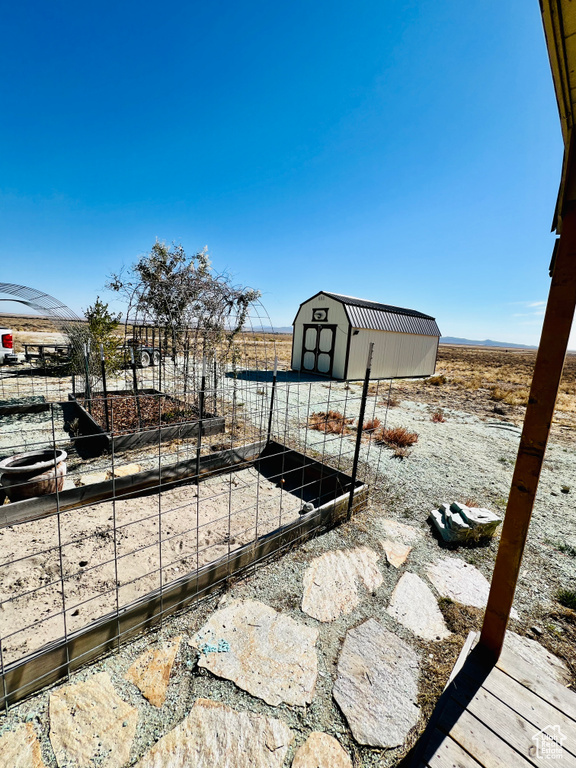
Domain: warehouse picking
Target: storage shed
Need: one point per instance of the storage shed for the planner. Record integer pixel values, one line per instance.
(332, 333)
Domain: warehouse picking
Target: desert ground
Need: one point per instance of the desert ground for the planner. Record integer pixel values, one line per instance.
(467, 419)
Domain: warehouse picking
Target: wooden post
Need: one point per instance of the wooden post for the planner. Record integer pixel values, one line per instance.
(537, 422)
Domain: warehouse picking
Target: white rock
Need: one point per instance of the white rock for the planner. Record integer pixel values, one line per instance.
(216, 736)
(415, 607)
(90, 724)
(377, 687)
(331, 581)
(264, 652)
(321, 751)
(20, 748)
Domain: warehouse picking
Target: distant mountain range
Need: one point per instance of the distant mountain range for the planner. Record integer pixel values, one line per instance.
(485, 343)
(443, 339)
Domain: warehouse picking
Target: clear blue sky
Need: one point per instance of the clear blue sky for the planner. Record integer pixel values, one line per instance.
(407, 152)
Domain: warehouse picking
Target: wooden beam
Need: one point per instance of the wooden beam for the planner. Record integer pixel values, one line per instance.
(539, 412)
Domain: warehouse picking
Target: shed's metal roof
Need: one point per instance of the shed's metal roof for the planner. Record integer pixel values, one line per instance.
(382, 317)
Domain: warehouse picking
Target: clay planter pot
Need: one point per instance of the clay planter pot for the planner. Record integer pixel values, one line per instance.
(35, 473)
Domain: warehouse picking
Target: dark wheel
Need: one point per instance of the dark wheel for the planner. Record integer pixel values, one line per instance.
(145, 359)
(155, 357)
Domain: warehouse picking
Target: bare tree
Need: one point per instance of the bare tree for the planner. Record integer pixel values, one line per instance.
(198, 311)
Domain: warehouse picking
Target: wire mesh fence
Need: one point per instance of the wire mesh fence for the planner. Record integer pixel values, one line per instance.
(132, 500)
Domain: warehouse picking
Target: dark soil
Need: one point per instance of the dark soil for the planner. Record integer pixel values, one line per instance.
(129, 412)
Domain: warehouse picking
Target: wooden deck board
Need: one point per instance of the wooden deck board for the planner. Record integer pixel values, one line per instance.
(488, 717)
(547, 688)
(478, 739)
(450, 755)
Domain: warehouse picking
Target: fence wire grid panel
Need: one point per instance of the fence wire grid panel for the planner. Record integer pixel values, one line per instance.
(168, 492)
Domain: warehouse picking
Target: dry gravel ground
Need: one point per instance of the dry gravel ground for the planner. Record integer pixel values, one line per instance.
(469, 456)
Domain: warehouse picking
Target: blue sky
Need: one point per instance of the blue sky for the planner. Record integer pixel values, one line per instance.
(407, 152)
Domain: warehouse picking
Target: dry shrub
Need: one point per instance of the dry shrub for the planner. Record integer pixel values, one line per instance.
(436, 381)
(332, 422)
(396, 437)
(438, 416)
(372, 425)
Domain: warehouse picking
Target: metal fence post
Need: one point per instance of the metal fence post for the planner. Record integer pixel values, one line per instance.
(272, 396)
(360, 425)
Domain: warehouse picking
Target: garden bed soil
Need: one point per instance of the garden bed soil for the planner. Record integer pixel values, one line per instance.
(128, 412)
(135, 421)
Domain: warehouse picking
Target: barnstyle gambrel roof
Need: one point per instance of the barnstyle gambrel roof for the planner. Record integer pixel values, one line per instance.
(371, 315)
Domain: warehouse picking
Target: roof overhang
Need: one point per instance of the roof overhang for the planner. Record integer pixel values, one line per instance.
(559, 20)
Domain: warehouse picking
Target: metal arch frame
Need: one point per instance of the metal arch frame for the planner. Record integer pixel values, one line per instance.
(38, 300)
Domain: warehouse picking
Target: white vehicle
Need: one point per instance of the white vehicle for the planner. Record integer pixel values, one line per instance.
(7, 347)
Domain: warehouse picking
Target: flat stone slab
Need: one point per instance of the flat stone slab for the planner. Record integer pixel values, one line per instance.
(216, 736)
(123, 470)
(536, 655)
(332, 580)
(461, 582)
(377, 685)
(89, 478)
(91, 725)
(151, 672)
(414, 606)
(396, 552)
(264, 652)
(20, 748)
(396, 531)
(321, 751)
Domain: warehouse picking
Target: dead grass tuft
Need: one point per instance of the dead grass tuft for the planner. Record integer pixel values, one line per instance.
(438, 416)
(332, 422)
(509, 395)
(396, 437)
(372, 425)
(391, 402)
(436, 381)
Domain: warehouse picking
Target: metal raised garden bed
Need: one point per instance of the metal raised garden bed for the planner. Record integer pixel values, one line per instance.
(91, 438)
(330, 494)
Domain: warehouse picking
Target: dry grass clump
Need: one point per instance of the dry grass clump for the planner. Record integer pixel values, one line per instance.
(472, 382)
(436, 381)
(396, 437)
(390, 402)
(511, 396)
(438, 416)
(332, 422)
(372, 425)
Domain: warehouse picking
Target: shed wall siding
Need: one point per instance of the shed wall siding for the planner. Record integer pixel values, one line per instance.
(395, 354)
(336, 316)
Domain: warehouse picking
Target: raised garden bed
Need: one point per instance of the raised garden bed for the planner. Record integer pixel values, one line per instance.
(305, 498)
(133, 421)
